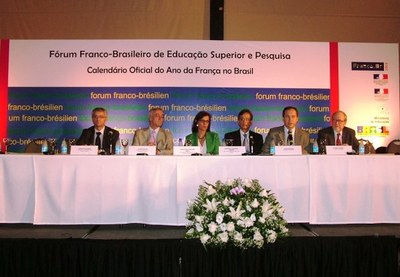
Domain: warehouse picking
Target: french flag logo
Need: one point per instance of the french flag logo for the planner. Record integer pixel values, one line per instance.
(381, 91)
(381, 76)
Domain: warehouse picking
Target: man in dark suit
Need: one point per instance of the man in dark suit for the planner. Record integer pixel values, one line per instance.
(244, 136)
(338, 133)
(288, 134)
(99, 134)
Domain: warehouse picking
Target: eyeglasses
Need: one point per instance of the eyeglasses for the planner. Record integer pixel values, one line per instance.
(204, 121)
(339, 121)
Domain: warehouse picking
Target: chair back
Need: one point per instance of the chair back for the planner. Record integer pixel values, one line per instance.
(381, 150)
(35, 146)
(394, 146)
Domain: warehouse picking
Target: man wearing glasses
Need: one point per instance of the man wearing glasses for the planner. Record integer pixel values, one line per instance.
(99, 134)
(338, 133)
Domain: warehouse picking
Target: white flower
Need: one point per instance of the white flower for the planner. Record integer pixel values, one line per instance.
(238, 237)
(215, 217)
(230, 226)
(199, 227)
(248, 222)
(226, 202)
(263, 193)
(219, 218)
(199, 218)
(281, 211)
(257, 236)
(211, 190)
(190, 231)
(211, 206)
(223, 236)
(223, 227)
(272, 236)
(247, 183)
(204, 238)
(236, 214)
(255, 203)
(212, 227)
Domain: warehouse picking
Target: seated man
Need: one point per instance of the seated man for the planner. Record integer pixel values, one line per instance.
(154, 134)
(244, 136)
(288, 134)
(338, 133)
(99, 134)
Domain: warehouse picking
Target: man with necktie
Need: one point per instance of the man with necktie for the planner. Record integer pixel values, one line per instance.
(289, 133)
(100, 134)
(155, 134)
(244, 136)
(338, 133)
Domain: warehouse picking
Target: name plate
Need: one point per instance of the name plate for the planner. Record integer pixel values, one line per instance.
(90, 150)
(232, 150)
(288, 150)
(338, 149)
(142, 150)
(186, 150)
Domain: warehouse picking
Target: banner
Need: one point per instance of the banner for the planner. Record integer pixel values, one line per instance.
(54, 84)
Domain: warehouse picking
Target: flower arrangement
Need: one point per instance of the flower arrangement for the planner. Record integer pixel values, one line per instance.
(238, 212)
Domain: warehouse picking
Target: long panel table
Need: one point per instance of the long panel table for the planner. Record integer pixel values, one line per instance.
(61, 189)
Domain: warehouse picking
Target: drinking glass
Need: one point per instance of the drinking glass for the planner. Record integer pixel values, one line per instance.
(71, 141)
(229, 142)
(188, 142)
(6, 142)
(52, 142)
(124, 143)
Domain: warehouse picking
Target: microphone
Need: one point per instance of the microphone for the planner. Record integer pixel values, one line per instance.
(110, 134)
(251, 141)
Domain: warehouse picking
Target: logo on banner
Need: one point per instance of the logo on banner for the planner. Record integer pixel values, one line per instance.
(368, 66)
(381, 79)
(381, 131)
(381, 91)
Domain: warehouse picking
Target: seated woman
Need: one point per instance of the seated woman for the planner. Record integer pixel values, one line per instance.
(202, 136)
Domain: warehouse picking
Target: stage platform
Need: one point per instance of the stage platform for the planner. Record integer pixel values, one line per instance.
(147, 250)
(144, 232)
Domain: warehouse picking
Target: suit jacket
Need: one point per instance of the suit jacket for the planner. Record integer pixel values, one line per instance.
(237, 140)
(301, 137)
(212, 141)
(164, 140)
(110, 137)
(348, 137)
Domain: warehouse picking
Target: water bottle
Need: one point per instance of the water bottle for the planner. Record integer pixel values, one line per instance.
(315, 148)
(180, 142)
(361, 148)
(45, 147)
(118, 148)
(272, 147)
(64, 147)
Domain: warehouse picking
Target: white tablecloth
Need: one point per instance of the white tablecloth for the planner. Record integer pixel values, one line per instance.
(155, 190)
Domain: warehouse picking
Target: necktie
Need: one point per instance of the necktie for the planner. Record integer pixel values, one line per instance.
(290, 138)
(153, 137)
(98, 141)
(245, 144)
(338, 142)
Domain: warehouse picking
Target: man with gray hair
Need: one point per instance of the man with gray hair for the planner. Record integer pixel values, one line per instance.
(155, 134)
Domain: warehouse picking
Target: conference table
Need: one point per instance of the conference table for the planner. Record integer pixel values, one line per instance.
(316, 189)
